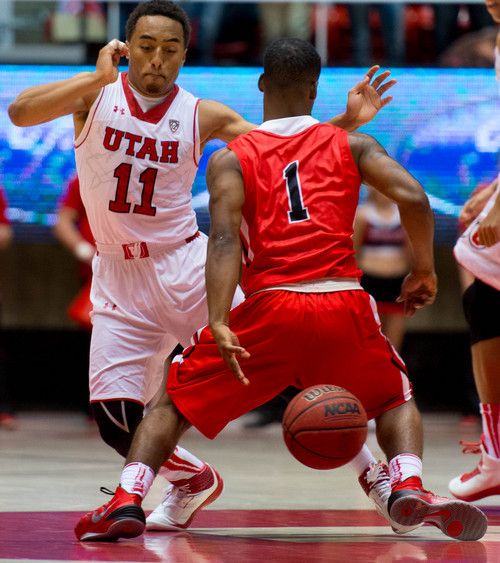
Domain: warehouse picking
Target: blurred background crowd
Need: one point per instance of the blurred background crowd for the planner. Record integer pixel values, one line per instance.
(353, 34)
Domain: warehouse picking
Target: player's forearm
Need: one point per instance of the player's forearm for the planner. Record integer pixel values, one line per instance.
(222, 274)
(489, 228)
(6, 235)
(344, 122)
(418, 221)
(68, 236)
(46, 102)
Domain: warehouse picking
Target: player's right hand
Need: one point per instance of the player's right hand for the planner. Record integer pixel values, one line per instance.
(229, 347)
(417, 291)
(108, 60)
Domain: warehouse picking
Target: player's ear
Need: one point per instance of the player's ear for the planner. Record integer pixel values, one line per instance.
(261, 83)
(313, 91)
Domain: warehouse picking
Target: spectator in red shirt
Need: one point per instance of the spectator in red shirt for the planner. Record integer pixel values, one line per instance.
(73, 231)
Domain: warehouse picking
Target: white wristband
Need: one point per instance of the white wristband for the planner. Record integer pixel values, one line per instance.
(84, 251)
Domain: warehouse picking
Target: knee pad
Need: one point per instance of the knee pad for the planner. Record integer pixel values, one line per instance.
(481, 304)
(117, 422)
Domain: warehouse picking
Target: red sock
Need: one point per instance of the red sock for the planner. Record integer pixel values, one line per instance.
(180, 467)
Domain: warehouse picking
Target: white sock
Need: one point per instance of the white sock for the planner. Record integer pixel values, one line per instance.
(137, 478)
(362, 461)
(403, 466)
(180, 466)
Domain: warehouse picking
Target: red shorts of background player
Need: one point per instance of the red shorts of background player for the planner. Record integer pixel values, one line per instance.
(299, 339)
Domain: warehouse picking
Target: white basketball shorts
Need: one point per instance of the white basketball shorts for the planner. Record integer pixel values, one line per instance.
(144, 306)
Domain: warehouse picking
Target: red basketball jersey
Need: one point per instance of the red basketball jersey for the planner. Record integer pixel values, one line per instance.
(301, 193)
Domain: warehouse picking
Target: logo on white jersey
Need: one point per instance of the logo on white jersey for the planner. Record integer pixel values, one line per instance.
(135, 250)
(474, 236)
(174, 125)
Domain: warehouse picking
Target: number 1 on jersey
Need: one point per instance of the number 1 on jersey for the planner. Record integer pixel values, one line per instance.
(147, 179)
(297, 210)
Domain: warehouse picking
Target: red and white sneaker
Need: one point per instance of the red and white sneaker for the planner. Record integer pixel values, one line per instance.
(121, 517)
(410, 504)
(484, 481)
(180, 504)
(377, 486)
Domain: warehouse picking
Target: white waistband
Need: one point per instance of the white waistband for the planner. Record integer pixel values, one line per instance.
(324, 285)
(139, 249)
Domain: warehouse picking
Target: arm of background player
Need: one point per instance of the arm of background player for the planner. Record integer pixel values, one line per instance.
(6, 235)
(66, 231)
(365, 100)
(227, 196)
(475, 204)
(359, 228)
(46, 102)
(488, 230)
(383, 173)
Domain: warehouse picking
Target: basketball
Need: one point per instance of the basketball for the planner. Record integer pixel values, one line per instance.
(325, 426)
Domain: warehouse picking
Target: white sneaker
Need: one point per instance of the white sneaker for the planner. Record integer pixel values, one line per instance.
(484, 481)
(377, 486)
(180, 504)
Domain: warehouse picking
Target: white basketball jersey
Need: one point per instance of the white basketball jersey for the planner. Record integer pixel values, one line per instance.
(136, 168)
(482, 261)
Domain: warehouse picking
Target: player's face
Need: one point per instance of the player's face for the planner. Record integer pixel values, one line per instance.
(493, 7)
(156, 54)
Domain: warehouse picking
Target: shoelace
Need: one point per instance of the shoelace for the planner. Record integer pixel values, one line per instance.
(375, 471)
(470, 447)
(377, 478)
(176, 494)
(107, 491)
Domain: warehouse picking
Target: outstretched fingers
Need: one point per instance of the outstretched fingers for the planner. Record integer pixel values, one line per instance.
(379, 83)
(380, 78)
(372, 71)
(230, 354)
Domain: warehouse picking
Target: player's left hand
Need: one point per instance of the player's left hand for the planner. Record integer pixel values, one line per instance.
(417, 291)
(476, 202)
(365, 99)
(229, 347)
(488, 231)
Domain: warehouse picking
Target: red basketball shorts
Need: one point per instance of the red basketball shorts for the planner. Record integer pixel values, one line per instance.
(299, 339)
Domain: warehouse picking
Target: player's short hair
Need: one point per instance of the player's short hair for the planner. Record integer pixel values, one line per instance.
(159, 8)
(291, 62)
